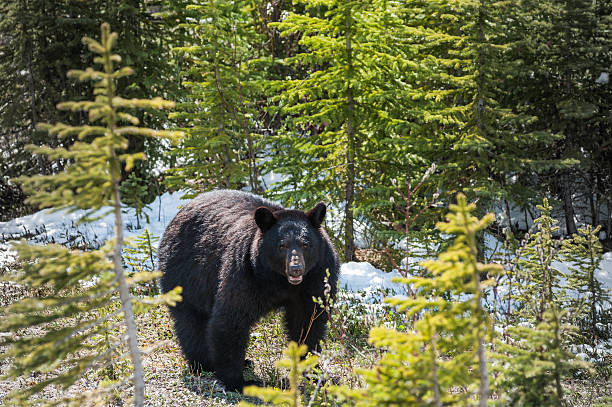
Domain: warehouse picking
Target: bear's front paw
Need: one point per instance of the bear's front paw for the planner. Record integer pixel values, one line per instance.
(236, 384)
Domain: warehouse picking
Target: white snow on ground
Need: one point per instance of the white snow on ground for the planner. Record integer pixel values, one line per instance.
(55, 226)
(362, 276)
(604, 273)
(355, 276)
(7, 256)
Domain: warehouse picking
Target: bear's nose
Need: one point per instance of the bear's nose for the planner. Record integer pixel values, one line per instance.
(296, 269)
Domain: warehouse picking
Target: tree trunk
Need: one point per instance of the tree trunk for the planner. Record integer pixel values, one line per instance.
(124, 292)
(349, 232)
(508, 215)
(568, 207)
(594, 201)
(434, 366)
(557, 374)
(609, 221)
(482, 356)
(29, 50)
(126, 297)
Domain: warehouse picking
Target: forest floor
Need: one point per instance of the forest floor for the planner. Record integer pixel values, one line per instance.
(169, 382)
(167, 377)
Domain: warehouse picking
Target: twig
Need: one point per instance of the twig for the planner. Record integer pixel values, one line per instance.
(316, 390)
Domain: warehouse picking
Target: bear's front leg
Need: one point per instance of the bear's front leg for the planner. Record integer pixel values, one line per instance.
(306, 323)
(227, 336)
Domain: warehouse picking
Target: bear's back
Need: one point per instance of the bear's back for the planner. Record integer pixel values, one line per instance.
(211, 213)
(227, 205)
(201, 233)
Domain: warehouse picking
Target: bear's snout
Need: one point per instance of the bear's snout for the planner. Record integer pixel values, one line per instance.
(295, 270)
(295, 266)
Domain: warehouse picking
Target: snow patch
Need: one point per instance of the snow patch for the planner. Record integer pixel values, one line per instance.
(362, 276)
(7, 256)
(63, 226)
(604, 272)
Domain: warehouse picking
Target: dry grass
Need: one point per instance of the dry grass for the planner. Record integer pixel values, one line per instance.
(169, 383)
(168, 380)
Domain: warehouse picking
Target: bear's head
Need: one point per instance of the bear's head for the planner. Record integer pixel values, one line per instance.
(291, 241)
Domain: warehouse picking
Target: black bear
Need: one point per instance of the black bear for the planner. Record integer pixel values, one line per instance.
(239, 256)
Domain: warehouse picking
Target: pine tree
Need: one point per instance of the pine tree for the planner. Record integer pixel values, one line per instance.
(140, 256)
(77, 284)
(335, 139)
(565, 53)
(221, 115)
(32, 81)
(145, 41)
(39, 43)
(447, 348)
(590, 303)
(483, 140)
(535, 361)
(297, 368)
(534, 358)
(538, 279)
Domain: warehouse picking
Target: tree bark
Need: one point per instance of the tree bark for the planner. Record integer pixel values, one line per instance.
(508, 215)
(609, 222)
(28, 44)
(126, 297)
(594, 201)
(482, 356)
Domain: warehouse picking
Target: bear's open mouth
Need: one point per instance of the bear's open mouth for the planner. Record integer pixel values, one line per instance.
(295, 280)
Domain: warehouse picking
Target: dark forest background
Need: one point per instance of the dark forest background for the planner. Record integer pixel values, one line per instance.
(350, 102)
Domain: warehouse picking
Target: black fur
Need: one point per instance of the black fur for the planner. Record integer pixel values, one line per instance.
(223, 249)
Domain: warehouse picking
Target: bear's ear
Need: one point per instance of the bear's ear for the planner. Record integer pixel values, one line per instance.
(317, 214)
(264, 218)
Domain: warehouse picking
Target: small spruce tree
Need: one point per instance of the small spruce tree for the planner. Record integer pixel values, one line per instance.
(140, 256)
(60, 331)
(534, 357)
(590, 301)
(538, 279)
(446, 350)
(532, 364)
(297, 367)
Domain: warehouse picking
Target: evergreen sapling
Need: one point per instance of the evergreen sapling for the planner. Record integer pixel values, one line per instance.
(447, 348)
(60, 332)
(591, 301)
(140, 255)
(537, 277)
(534, 361)
(297, 367)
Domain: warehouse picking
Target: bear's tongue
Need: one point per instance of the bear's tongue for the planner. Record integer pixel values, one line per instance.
(295, 280)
